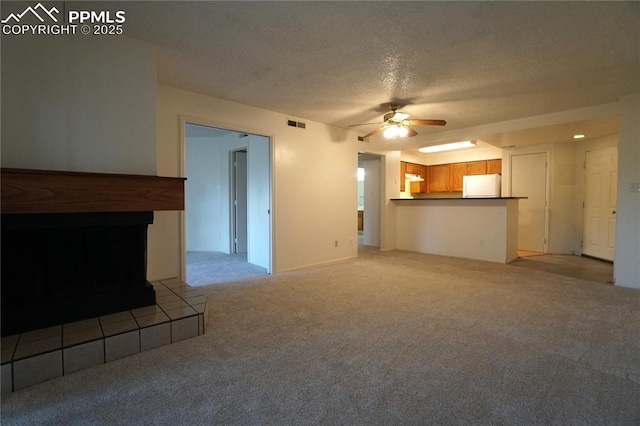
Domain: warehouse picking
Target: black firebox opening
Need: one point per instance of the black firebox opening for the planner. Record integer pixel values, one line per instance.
(64, 267)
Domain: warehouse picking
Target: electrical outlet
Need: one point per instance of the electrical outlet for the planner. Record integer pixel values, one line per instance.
(634, 187)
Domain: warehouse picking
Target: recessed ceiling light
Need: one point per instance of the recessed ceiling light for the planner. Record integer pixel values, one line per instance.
(579, 136)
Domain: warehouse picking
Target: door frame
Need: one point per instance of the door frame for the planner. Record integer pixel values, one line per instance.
(381, 193)
(183, 121)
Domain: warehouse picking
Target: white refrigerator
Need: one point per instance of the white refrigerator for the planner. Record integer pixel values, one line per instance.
(481, 186)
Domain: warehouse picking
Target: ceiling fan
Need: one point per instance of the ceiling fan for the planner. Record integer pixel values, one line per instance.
(395, 124)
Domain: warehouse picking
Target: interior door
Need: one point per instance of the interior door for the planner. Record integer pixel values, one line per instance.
(529, 179)
(600, 196)
(259, 174)
(240, 201)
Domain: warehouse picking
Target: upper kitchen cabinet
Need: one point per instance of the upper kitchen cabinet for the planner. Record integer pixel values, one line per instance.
(413, 169)
(439, 180)
(403, 176)
(420, 186)
(494, 166)
(475, 168)
(456, 172)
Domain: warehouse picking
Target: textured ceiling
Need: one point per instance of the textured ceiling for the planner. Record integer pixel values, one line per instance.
(469, 63)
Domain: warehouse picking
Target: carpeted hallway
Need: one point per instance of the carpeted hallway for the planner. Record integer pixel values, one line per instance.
(389, 338)
(211, 267)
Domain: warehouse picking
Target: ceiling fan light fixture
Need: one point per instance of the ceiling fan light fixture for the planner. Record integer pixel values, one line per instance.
(448, 146)
(399, 116)
(395, 131)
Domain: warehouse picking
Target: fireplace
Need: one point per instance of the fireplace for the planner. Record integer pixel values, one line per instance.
(74, 245)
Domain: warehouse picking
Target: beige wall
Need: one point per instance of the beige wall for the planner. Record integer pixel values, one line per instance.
(314, 181)
(78, 104)
(626, 268)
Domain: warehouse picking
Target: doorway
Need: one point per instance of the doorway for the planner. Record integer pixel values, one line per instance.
(369, 200)
(227, 217)
(529, 179)
(600, 197)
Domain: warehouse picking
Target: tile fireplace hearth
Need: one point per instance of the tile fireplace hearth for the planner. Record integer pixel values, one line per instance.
(74, 266)
(40, 355)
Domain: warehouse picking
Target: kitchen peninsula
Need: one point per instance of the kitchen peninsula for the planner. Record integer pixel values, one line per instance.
(474, 228)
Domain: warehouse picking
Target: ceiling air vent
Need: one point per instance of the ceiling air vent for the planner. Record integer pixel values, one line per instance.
(293, 123)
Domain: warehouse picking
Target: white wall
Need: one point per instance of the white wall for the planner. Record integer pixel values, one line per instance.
(564, 235)
(314, 171)
(475, 229)
(206, 195)
(78, 104)
(626, 268)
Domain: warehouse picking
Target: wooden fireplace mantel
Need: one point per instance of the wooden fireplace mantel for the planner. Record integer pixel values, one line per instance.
(44, 191)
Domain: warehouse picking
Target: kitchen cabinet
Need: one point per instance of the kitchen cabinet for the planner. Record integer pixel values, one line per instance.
(494, 166)
(414, 169)
(439, 180)
(456, 172)
(445, 177)
(476, 168)
(424, 185)
(420, 186)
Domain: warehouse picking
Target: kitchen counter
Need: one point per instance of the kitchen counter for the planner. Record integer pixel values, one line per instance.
(458, 198)
(474, 228)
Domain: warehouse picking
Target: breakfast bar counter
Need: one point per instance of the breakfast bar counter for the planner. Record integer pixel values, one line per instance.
(474, 228)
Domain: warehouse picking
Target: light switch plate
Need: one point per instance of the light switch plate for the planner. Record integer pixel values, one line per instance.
(634, 187)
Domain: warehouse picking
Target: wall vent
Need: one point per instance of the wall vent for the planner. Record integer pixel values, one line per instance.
(293, 123)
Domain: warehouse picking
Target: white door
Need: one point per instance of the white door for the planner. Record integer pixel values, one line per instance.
(529, 179)
(240, 202)
(600, 195)
(259, 208)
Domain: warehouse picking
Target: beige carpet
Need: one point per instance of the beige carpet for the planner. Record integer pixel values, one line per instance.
(389, 338)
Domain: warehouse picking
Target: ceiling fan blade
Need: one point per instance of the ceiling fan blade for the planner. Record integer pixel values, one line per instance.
(365, 124)
(411, 132)
(378, 130)
(418, 122)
